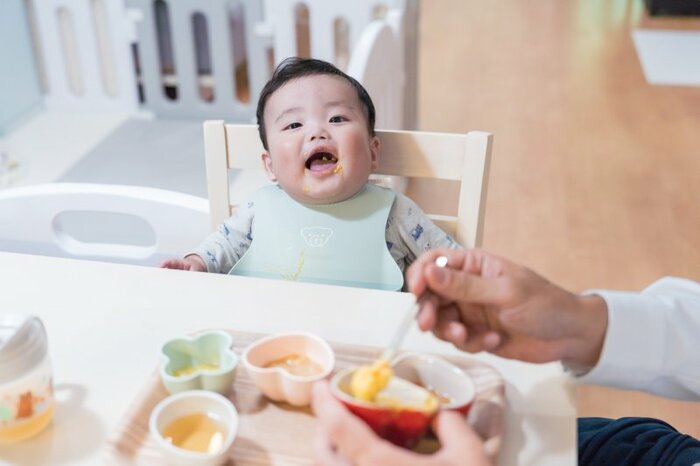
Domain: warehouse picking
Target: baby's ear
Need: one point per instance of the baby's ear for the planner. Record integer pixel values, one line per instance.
(374, 148)
(267, 163)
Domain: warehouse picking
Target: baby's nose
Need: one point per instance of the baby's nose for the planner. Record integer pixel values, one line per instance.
(318, 132)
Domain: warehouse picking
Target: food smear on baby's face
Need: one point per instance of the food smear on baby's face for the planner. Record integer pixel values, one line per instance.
(367, 381)
(297, 364)
(183, 371)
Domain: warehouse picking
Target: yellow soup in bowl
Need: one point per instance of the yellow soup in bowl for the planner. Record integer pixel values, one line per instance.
(297, 364)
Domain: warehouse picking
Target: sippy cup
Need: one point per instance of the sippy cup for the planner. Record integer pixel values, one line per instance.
(26, 392)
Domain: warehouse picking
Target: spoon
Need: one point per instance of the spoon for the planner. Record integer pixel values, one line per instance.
(401, 331)
(405, 324)
(368, 380)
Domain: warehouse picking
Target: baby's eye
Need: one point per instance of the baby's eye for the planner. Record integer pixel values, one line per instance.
(294, 125)
(337, 119)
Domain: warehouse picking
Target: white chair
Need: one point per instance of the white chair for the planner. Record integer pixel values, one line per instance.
(124, 224)
(377, 62)
(463, 158)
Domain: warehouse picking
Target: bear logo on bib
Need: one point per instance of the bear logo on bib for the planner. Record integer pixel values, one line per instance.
(316, 237)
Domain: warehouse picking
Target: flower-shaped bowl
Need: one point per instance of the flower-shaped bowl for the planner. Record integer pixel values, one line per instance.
(204, 361)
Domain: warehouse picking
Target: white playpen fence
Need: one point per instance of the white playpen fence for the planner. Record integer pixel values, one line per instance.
(210, 58)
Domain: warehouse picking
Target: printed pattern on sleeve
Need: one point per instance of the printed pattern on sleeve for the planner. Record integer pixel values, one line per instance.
(223, 248)
(409, 232)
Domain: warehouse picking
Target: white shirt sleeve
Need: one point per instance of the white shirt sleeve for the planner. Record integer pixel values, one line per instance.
(652, 341)
(409, 232)
(222, 249)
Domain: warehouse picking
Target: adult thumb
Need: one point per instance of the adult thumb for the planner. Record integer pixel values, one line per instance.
(455, 434)
(462, 286)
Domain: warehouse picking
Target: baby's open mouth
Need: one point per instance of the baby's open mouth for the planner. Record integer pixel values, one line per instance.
(320, 161)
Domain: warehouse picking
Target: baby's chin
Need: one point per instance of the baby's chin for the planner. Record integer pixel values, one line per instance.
(319, 198)
(309, 195)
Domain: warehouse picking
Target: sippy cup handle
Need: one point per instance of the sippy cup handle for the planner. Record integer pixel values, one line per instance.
(17, 326)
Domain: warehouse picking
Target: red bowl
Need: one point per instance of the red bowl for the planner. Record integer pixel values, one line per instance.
(440, 377)
(406, 426)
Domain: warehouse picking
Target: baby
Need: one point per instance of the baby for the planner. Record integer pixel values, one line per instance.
(322, 222)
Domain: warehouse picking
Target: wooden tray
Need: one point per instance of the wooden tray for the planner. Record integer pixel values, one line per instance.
(278, 433)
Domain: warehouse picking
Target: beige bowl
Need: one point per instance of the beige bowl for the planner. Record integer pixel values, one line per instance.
(192, 402)
(277, 383)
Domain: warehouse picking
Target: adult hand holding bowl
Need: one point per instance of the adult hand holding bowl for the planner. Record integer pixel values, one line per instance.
(401, 411)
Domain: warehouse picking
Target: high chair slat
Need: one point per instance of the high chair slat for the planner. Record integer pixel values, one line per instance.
(464, 158)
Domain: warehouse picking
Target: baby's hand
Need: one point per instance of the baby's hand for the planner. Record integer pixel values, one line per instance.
(190, 263)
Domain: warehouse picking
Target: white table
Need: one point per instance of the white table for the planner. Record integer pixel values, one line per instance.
(106, 323)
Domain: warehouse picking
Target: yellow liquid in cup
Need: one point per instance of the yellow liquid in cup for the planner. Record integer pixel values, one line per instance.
(24, 430)
(195, 432)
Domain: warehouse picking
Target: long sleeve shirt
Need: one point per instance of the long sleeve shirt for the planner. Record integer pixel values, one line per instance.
(652, 341)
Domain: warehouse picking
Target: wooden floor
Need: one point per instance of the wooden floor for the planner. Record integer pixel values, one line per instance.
(595, 180)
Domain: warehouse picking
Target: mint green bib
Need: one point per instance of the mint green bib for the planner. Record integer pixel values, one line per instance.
(336, 244)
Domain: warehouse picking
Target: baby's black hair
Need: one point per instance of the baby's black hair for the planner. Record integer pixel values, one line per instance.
(295, 67)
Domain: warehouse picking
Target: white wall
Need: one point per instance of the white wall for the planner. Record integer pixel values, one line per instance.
(19, 84)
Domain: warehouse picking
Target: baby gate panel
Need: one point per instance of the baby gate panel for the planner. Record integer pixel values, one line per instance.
(320, 29)
(203, 58)
(82, 47)
(200, 58)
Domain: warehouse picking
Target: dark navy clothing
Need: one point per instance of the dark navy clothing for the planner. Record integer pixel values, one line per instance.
(637, 441)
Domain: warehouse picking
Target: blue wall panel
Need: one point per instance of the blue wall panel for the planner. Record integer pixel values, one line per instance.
(19, 85)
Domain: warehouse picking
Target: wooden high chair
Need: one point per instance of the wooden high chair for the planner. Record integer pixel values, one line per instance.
(463, 158)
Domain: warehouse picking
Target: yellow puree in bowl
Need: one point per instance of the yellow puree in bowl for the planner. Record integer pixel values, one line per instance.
(297, 364)
(367, 381)
(195, 432)
(197, 368)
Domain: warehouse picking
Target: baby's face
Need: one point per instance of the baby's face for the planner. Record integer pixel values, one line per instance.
(320, 151)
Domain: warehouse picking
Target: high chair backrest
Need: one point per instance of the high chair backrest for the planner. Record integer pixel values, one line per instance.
(462, 158)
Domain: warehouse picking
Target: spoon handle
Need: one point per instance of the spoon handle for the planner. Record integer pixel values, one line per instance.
(401, 331)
